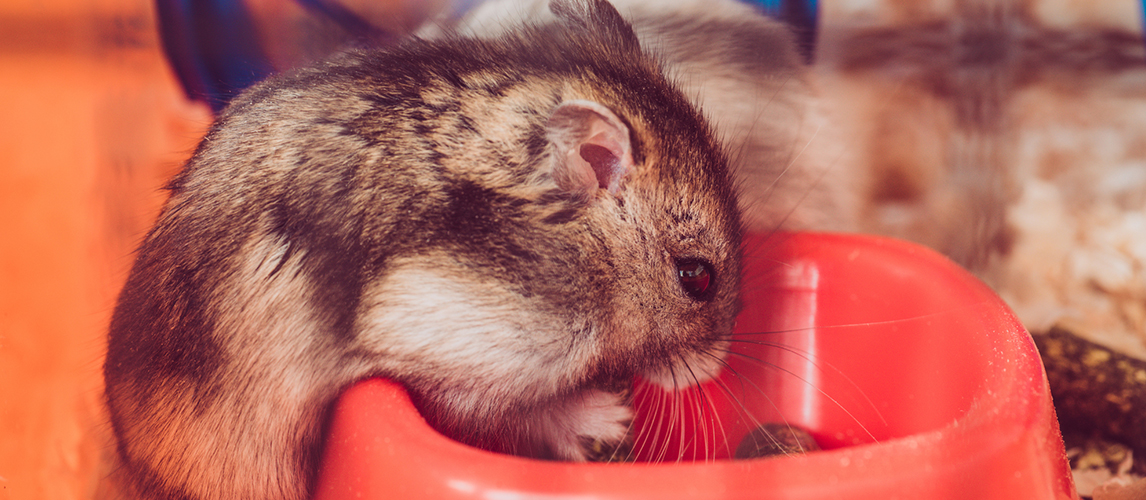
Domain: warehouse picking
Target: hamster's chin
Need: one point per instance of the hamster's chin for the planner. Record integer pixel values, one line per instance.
(688, 369)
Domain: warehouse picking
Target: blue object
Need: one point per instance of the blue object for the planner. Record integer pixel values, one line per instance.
(803, 17)
(213, 45)
(347, 19)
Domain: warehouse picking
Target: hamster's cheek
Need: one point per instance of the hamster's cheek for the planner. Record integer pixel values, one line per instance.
(429, 320)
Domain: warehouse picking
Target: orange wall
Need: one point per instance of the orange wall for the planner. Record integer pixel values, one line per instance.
(91, 125)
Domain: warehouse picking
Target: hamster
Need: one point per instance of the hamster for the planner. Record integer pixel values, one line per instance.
(511, 227)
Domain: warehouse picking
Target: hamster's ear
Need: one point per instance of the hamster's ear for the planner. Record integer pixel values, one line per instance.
(597, 16)
(591, 148)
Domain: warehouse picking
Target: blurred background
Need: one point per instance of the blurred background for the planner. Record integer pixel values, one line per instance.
(92, 123)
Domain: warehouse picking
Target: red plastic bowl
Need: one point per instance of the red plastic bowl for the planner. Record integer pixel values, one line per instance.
(915, 377)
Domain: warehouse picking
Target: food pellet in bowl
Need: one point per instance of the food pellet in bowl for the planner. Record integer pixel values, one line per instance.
(775, 438)
(604, 452)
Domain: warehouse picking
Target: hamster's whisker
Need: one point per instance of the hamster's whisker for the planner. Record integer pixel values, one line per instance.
(751, 132)
(763, 247)
(687, 411)
(788, 167)
(818, 389)
(772, 332)
(739, 152)
(897, 321)
(821, 365)
(699, 410)
(741, 407)
(674, 420)
(639, 441)
(747, 415)
(660, 406)
(710, 455)
(629, 434)
(664, 406)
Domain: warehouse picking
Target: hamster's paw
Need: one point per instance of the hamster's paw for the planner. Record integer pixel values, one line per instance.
(592, 425)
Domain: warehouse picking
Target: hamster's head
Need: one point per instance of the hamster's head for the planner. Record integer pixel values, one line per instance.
(660, 221)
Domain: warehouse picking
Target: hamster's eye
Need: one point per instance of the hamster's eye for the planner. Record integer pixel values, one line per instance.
(696, 277)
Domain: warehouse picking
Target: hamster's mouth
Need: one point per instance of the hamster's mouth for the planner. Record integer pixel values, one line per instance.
(689, 368)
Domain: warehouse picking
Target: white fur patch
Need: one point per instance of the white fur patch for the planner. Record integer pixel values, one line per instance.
(430, 313)
(492, 357)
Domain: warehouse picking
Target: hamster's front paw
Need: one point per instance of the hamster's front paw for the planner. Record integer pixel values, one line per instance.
(592, 425)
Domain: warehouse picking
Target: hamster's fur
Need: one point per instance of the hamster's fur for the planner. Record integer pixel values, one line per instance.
(744, 73)
(507, 226)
